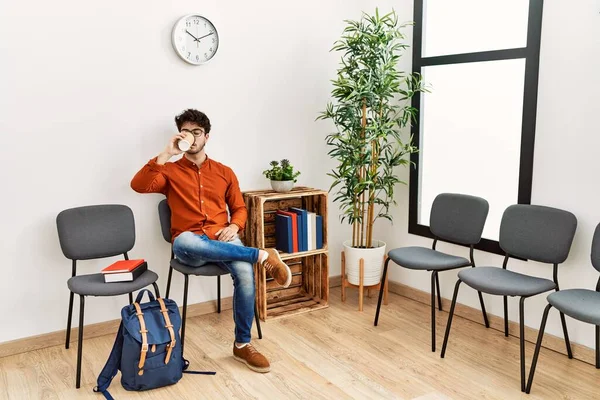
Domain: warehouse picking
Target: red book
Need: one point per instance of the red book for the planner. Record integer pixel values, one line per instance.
(126, 276)
(294, 218)
(122, 266)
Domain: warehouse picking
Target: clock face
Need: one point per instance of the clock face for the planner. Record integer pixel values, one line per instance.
(195, 39)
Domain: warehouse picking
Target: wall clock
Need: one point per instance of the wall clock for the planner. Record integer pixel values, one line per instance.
(195, 39)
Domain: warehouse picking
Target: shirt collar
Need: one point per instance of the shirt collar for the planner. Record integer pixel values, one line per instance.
(185, 161)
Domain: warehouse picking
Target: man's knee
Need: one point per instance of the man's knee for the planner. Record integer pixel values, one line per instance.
(184, 241)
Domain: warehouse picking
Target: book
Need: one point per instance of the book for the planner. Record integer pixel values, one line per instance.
(283, 233)
(122, 266)
(319, 229)
(309, 231)
(302, 227)
(294, 218)
(312, 231)
(126, 276)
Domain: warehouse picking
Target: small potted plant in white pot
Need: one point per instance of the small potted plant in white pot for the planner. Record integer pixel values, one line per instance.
(282, 175)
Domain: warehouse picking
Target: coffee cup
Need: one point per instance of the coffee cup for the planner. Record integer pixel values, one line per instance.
(185, 143)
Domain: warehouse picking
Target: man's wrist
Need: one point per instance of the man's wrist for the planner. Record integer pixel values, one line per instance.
(234, 225)
(162, 158)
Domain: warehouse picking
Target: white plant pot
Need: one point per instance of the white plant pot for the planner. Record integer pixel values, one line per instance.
(373, 262)
(282, 186)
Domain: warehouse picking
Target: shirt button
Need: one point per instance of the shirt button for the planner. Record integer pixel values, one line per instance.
(201, 186)
(202, 201)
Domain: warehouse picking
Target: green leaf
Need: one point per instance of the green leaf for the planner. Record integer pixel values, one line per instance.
(367, 155)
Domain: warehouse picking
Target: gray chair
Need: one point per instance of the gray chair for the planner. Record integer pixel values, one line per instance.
(529, 232)
(94, 232)
(164, 214)
(455, 218)
(581, 304)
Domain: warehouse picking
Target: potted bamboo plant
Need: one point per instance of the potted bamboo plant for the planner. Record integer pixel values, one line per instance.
(370, 110)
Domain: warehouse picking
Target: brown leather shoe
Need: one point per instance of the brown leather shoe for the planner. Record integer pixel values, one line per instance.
(279, 270)
(252, 358)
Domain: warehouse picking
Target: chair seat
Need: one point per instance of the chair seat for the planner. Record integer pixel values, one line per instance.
(94, 285)
(424, 258)
(498, 281)
(581, 304)
(204, 270)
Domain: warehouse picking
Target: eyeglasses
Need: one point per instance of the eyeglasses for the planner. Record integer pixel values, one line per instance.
(195, 132)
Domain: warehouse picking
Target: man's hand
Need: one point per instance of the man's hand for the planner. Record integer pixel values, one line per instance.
(171, 150)
(228, 234)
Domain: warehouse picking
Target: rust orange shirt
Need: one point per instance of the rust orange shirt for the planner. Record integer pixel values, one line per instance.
(199, 196)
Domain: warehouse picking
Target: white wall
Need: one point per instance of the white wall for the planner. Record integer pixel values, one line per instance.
(88, 94)
(565, 166)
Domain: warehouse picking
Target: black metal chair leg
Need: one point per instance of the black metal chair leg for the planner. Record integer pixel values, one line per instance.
(449, 324)
(485, 317)
(156, 291)
(566, 334)
(433, 285)
(522, 340)
(381, 289)
(69, 317)
(130, 298)
(219, 294)
(538, 345)
(506, 316)
(169, 282)
(80, 340)
(257, 321)
(597, 346)
(439, 296)
(185, 295)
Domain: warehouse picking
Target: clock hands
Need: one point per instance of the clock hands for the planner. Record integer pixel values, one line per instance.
(195, 38)
(205, 36)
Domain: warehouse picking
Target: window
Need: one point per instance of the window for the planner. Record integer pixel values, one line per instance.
(476, 127)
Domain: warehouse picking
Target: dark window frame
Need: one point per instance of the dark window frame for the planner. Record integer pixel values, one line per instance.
(531, 54)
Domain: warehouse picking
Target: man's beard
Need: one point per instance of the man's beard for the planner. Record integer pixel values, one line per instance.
(195, 151)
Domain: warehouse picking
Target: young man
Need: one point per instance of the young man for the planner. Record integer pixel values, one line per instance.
(199, 192)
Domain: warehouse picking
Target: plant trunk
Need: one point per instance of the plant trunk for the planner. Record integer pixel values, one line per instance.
(371, 213)
(371, 197)
(364, 219)
(355, 226)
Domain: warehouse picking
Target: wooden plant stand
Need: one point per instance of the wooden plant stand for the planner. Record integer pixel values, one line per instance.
(360, 286)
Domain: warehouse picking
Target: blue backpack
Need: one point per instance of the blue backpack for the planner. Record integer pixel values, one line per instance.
(147, 348)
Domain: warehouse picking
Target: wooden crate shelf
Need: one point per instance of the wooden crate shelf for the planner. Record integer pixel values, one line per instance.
(287, 256)
(309, 289)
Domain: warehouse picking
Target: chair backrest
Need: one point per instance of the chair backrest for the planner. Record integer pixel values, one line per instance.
(596, 248)
(458, 218)
(164, 214)
(537, 233)
(96, 231)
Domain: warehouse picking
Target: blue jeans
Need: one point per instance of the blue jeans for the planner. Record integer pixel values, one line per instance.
(196, 250)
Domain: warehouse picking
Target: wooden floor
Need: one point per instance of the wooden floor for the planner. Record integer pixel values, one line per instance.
(334, 353)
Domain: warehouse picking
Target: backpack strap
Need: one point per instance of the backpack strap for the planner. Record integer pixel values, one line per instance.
(169, 326)
(144, 333)
(186, 365)
(113, 365)
(141, 294)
